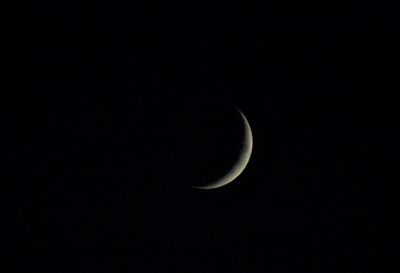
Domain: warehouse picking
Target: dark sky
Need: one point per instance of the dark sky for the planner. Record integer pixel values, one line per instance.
(128, 106)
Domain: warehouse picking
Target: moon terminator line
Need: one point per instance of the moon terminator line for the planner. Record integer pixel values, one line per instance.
(241, 162)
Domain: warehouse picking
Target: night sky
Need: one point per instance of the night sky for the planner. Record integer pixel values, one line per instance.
(126, 107)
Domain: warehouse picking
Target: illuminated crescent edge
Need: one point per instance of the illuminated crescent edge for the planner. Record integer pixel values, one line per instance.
(240, 163)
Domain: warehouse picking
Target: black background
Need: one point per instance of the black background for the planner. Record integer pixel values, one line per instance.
(127, 106)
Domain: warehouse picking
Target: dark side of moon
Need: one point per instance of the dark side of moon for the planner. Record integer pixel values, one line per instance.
(215, 147)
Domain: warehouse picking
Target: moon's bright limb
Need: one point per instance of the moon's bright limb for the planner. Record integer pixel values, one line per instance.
(241, 163)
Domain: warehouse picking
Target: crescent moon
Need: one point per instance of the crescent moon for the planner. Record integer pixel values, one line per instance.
(241, 162)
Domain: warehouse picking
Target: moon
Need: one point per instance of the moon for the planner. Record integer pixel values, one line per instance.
(241, 162)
